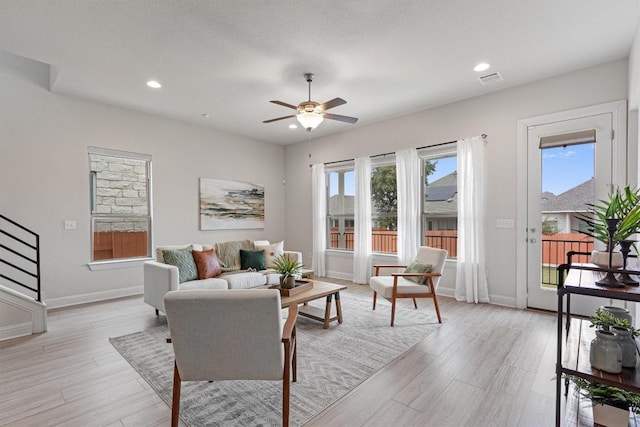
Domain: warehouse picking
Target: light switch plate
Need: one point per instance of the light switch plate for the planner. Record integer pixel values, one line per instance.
(69, 224)
(504, 223)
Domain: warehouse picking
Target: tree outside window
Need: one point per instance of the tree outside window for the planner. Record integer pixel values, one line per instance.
(384, 205)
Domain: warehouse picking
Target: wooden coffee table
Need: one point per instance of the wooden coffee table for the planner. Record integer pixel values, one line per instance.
(319, 290)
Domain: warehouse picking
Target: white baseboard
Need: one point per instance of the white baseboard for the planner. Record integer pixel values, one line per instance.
(340, 275)
(495, 299)
(93, 297)
(502, 300)
(15, 331)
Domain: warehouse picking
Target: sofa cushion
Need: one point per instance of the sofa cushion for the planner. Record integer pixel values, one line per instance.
(207, 264)
(244, 280)
(271, 252)
(160, 250)
(229, 253)
(213, 283)
(251, 259)
(418, 267)
(183, 259)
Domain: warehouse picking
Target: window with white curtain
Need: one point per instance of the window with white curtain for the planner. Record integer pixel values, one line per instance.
(340, 205)
(440, 198)
(439, 193)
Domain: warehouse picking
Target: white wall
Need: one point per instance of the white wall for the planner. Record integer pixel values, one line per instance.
(44, 177)
(496, 115)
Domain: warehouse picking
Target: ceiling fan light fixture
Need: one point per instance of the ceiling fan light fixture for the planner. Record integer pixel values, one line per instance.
(309, 120)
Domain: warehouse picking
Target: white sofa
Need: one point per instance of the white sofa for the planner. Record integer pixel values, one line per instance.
(160, 278)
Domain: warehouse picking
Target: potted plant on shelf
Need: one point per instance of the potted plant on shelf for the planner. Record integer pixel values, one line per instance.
(604, 319)
(288, 268)
(611, 405)
(623, 205)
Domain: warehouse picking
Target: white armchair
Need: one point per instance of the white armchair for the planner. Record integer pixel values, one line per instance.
(397, 285)
(231, 335)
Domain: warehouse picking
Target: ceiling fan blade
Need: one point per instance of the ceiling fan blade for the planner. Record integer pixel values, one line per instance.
(284, 104)
(280, 118)
(333, 103)
(340, 118)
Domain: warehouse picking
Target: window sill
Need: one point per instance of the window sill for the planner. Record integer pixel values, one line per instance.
(116, 264)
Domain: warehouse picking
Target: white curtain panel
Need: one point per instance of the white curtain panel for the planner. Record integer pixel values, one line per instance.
(319, 209)
(362, 229)
(408, 182)
(471, 278)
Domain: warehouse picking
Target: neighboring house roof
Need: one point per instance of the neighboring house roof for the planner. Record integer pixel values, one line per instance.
(442, 196)
(572, 200)
(347, 208)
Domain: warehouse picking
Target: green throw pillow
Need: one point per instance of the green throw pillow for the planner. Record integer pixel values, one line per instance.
(418, 267)
(183, 259)
(251, 259)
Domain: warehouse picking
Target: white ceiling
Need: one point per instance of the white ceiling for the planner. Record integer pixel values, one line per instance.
(228, 58)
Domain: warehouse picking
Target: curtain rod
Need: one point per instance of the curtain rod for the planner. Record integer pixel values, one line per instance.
(484, 136)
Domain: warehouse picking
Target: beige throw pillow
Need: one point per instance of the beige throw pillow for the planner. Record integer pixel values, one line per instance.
(271, 252)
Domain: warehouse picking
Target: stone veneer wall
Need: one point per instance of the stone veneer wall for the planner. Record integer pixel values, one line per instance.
(120, 189)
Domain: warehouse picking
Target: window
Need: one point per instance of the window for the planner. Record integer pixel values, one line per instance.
(340, 206)
(384, 205)
(440, 199)
(120, 204)
(439, 208)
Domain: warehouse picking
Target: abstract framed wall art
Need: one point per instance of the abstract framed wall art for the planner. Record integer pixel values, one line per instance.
(228, 204)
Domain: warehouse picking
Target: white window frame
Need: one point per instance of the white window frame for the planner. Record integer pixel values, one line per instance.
(344, 166)
(96, 216)
(382, 160)
(426, 154)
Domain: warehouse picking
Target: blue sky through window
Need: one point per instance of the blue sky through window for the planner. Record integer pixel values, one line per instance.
(444, 166)
(562, 169)
(566, 167)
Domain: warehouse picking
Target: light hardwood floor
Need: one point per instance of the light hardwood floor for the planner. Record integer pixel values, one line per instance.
(484, 366)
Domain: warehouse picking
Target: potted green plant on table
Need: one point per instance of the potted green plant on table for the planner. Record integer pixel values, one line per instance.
(623, 205)
(288, 268)
(611, 405)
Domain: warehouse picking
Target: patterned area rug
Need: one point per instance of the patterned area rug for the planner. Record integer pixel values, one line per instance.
(331, 362)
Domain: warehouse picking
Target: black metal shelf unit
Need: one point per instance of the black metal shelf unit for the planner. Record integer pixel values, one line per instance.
(580, 279)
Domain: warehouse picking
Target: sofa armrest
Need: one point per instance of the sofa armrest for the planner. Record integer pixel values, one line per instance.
(293, 254)
(159, 278)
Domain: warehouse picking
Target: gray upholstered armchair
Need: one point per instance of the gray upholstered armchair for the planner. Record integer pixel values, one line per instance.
(231, 335)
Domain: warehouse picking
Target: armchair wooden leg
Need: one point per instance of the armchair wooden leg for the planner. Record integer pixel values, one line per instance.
(435, 302)
(285, 393)
(415, 304)
(175, 404)
(393, 309)
(375, 296)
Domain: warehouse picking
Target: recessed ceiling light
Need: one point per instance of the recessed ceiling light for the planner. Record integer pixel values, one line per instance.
(483, 66)
(154, 84)
(205, 115)
(293, 126)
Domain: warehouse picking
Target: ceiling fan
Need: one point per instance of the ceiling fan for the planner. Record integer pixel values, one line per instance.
(310, 113)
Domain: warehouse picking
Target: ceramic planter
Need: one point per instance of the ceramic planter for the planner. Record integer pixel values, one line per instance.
(288, 283)
(610, 416)
(601, 259)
